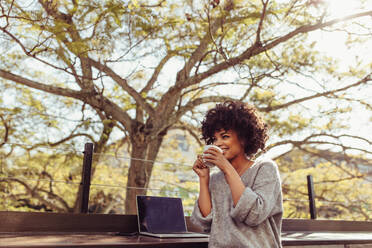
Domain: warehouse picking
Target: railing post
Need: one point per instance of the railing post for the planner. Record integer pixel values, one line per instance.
(310, 190)
(85, 177)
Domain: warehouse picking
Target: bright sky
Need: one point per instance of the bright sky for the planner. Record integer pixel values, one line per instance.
(334, 44)
(339, 8)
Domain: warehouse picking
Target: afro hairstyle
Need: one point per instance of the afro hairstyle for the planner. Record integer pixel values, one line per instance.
(243, 119)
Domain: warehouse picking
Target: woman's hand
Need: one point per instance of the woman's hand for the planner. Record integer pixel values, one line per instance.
(200, 168)
(204, 200)
(216, 157)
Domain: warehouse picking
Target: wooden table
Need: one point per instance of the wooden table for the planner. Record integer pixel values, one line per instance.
(42, 230)
(332, 239)
(78, 240)
(92, 240)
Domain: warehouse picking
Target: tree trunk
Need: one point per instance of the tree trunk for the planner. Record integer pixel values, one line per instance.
(140, 171)
(136, 177)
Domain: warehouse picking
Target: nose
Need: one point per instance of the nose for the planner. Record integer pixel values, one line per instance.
(217, 142)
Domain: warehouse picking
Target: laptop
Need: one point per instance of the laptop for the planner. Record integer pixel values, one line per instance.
(163, 217)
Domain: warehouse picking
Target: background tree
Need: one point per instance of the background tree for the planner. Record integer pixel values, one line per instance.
(129, 71)
(342, 186)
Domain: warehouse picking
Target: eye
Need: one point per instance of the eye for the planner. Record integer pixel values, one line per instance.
(225, 136)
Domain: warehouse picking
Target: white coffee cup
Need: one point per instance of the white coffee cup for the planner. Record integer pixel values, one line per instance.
(209, 164)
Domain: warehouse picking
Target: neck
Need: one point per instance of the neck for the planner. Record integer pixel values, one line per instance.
(241, 164)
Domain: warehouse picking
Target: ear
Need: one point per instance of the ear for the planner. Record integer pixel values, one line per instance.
(242, 143)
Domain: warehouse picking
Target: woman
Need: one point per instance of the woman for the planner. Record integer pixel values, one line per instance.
(241, 204)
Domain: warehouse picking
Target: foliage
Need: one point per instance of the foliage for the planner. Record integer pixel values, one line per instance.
(40, 181)
(124, 73)
(342, 190)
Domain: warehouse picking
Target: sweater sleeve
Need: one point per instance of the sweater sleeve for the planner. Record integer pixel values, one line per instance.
(259, 202)
(198, 219)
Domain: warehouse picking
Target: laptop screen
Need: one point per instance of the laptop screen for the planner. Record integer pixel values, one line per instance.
(160, 214)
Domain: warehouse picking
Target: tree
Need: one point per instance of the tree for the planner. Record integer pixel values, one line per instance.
(137, 69)
(33, 182)
(48, 179)
(342, 186)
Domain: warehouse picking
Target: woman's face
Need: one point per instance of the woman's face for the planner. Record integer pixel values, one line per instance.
(229, 142)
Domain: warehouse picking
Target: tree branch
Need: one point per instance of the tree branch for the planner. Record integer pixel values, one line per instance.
(96, 101)
(32, 192)
(307, 141)
(124, 85)
(198, 101)
(263, 14)
(6, 127)
(156, 73)
(39, 86)
(189, 129)
(257, 48)
(170, 97)
(71, 136)
(285, 105)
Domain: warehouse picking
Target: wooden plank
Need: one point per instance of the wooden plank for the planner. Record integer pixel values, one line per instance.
(326, 238)
(65, 222)
(75, 240)
(68, 222)
(96, 240)
(35, 229)
(301, 225)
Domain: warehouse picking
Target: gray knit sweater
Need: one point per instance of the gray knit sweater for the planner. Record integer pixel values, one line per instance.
(256, 220)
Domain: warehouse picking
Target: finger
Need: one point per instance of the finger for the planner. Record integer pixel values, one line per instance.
(198, 161)
(208, 157)
(199, 165)
(196, 165)
(200, 158)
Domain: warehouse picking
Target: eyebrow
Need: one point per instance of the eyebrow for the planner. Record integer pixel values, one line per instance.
(225, 132)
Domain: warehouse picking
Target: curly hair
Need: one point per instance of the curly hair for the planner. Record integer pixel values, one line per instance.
(240, 117)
